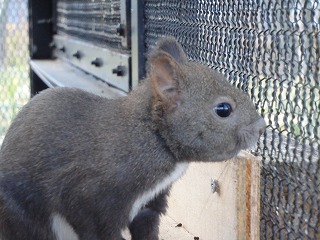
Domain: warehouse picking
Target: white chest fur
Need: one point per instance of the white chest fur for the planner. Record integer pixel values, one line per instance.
(144, 198)
(62, 229)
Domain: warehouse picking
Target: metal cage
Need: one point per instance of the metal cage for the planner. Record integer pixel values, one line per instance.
(268, 48)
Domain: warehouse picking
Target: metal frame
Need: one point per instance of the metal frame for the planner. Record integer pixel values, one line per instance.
(121, 70)
(40, 29)
(137, 42)
(124, 29)
(40, 24)
(112, 67)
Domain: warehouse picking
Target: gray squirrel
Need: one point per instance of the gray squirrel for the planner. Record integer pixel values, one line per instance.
(74, 165)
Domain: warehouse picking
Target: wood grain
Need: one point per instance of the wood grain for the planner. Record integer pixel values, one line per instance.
(230, 213)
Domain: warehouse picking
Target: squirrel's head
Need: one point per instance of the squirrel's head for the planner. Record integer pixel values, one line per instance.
(198, 113)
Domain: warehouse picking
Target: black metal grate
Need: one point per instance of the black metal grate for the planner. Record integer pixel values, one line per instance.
(94, 21)
(271, 50)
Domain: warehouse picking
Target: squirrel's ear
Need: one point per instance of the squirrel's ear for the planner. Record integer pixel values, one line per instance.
(163, 72)
(173, 48)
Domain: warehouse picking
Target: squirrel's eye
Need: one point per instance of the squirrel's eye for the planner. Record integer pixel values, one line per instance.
(223, 109)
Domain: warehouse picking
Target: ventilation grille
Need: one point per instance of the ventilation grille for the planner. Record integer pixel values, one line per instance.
(93, 21)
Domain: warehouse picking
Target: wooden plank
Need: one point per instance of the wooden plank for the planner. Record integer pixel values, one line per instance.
(230, 213)
(255, 198)
(168, 230)
(248, 197)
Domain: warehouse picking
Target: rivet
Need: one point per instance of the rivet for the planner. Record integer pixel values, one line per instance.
(214, 185)
(97, 62)
(119, 70)
(62, 49)
(78, 54)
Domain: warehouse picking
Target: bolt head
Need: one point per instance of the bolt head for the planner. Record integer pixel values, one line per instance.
(214, 185)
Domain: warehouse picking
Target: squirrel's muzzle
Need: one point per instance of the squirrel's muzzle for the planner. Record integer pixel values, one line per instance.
(249, 135)
(260, 126)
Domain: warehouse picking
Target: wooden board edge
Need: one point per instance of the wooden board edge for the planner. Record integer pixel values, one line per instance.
(248, 201)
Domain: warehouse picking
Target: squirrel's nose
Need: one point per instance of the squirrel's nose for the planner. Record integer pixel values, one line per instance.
(260, 126)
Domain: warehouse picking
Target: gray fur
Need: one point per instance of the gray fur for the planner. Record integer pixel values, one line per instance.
(87, 158)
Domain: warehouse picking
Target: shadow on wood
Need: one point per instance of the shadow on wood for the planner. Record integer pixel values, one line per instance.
(230, 213)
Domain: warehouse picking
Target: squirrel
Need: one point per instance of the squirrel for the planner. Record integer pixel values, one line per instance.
(75, 165)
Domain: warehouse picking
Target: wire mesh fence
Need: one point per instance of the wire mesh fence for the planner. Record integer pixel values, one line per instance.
(270, 49)
(14, 70)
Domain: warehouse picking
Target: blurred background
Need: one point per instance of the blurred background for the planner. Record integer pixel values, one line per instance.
(14, 69)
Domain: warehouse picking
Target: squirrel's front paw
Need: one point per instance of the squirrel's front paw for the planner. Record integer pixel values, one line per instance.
(145, 226)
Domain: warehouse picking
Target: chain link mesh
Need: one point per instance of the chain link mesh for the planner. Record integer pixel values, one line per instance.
(14, 70)
(270, 49)
(94, 21)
